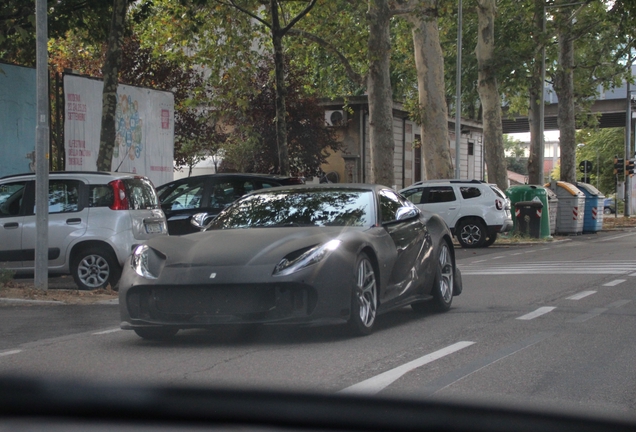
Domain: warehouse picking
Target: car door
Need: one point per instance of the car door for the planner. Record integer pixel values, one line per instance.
(68, 220)
(408, 238)
(185, 199)
(442, 200)
(11, 223)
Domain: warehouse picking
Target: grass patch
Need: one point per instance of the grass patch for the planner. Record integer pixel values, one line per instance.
(6, 276)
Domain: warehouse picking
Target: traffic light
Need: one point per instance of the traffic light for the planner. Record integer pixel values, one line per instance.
(619, 166)
(629, 167)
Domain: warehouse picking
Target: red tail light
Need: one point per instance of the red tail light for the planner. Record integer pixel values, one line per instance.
(120, 201)
(498, 204)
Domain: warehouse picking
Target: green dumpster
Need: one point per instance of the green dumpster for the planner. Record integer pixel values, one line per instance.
(523, 193)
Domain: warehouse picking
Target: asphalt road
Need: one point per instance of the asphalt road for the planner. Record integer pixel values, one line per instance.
(549, 325)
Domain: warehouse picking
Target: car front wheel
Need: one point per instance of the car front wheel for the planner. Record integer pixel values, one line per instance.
(364, 301)
(471, 233)
(94, 268)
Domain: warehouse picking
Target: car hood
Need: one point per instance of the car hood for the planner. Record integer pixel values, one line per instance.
(239, 247)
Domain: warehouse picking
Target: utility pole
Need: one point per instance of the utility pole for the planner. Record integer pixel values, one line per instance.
(42, 149)
(458, 94)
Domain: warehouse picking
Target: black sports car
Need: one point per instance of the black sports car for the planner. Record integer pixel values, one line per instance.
(306, 254)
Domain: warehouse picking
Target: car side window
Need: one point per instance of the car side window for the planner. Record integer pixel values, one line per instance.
(100, 196)
(414, 195)
(63, 196)
(389, 204)
(438, 194)
(469, 192)
(11, 195)
(185, 196)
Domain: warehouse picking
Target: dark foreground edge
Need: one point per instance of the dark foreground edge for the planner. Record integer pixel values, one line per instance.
(110, 407)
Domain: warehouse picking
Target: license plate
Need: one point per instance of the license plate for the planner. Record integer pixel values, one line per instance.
(154, 228)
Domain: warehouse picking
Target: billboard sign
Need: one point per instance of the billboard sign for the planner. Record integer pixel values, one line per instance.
(144, 125)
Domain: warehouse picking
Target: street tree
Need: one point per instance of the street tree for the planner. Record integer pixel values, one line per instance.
(489, 94)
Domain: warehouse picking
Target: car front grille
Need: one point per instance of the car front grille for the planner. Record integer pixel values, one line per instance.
(220, 303)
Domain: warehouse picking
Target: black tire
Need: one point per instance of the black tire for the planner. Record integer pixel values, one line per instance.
(364, 297)
(607, 211)
(156, 333)
(471, 233)
(95, 267)
(443, 286)
(490, 240)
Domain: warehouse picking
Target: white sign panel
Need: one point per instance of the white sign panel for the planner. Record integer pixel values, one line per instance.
(144, 126)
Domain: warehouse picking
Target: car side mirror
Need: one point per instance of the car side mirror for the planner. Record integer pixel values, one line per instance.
(201, 220)
(404, 213)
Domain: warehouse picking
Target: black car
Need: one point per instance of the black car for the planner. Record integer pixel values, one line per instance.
(311, 254)
(180, 199)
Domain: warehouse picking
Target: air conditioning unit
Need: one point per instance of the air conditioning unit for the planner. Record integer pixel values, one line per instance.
(335, 117)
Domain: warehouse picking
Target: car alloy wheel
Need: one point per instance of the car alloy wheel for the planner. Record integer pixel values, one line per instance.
(365, 297)
(446, 275)
(95, 268)
(471, 234)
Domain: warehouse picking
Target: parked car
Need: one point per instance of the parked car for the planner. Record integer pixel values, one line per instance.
(475, 211)
(609, 206)
(95, 220)
(311, 254)
(180, 199)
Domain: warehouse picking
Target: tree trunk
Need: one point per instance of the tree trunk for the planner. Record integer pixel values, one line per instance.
(281, 91)
(564, 87)
(110, 72)
(489, 95)
(429, 62)
(380, 94)
(534, 114)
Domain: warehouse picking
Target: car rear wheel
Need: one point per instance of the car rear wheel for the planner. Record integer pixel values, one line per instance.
(156, 333)
(364, 301)
(471, 233)
(95, 268)
(491, 239)
(444, 284)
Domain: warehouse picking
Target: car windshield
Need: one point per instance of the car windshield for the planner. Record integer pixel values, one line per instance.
(299, 208)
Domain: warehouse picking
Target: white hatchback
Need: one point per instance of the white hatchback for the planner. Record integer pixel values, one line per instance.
(475, 211)
(95, 220)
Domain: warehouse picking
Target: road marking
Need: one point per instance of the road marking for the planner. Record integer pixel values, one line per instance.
(459, 374)
(7, 353)
(616, 237)
(498, 257)
(480, 261)
(598, 311)
(551, 268)
(633, 274)
(581, 295)
(107, 331)
(614, 282)
(518, 253)
(385, 379)
(541, 311)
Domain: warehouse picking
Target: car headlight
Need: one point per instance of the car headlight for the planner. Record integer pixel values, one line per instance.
(141, 261)
(312, 256)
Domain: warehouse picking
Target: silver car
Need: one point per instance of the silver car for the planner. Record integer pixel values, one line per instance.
(95, 220)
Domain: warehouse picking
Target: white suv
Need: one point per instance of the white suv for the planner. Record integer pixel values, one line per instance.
(474, 211)
(95, 220)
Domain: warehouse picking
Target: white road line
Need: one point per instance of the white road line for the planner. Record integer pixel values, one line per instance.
(632, 274)
(518, 253)
(498, 257)
(6, 353)
(541, 311)
(616, 237)
(480, 261)
(581, 295)
(614, 282)
(383, 380)
(107, 331)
